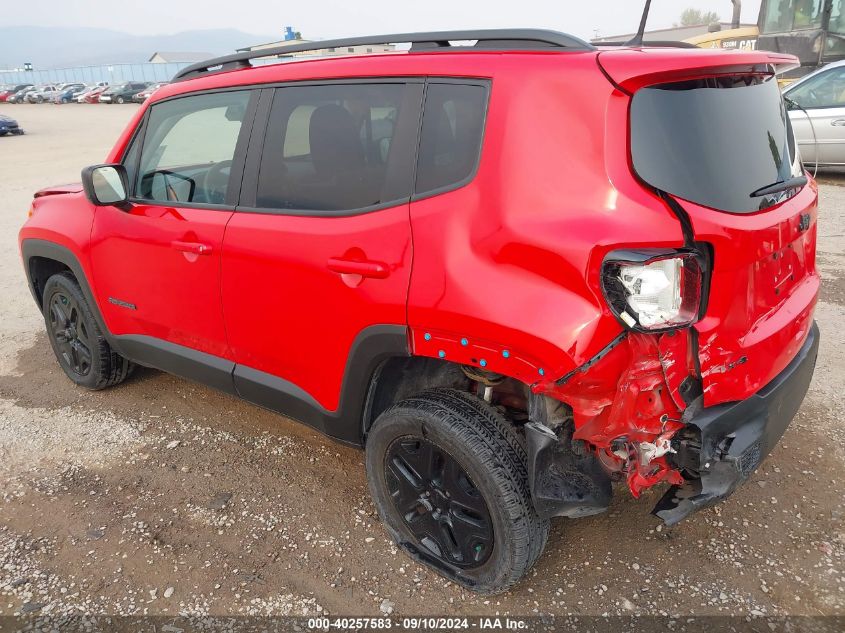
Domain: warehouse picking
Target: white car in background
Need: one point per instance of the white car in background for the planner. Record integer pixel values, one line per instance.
(816, 104)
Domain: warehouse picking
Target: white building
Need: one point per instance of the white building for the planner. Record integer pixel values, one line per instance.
(323, 52)
(163, 57)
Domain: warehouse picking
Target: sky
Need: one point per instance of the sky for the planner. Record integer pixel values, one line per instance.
(320, 19)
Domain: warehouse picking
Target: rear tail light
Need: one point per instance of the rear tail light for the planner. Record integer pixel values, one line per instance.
(652, 292)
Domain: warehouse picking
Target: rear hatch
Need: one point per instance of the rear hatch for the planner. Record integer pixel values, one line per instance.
(709, 129)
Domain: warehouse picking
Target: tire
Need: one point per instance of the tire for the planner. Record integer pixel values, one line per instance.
(77, 341)
(120, 99)
(457, 433)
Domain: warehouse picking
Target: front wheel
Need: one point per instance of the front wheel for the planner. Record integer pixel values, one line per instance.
(448, 476)
(120, 99)
(80, 347)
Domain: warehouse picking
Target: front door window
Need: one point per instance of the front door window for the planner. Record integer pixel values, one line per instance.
(189, 148)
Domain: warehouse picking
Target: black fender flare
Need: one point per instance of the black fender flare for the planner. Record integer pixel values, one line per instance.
(31, 248)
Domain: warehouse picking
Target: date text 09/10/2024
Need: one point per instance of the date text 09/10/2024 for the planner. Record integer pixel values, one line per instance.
(418, 623)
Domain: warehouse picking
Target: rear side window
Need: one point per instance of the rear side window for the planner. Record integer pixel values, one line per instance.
(452, 129)
(189, 146)
(715, 142)
(339, 147)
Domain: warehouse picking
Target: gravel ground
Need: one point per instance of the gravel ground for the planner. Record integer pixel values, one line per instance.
(163, 497)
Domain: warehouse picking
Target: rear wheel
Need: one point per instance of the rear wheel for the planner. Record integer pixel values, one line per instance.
(120, 99)
(80, 347)
(448, 476)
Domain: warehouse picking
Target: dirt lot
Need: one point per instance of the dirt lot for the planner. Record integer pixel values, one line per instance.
(164, 497)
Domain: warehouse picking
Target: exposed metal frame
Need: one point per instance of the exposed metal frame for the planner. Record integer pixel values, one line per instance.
(510, 39)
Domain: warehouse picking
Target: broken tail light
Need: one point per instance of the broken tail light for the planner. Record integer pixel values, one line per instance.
(653, 291)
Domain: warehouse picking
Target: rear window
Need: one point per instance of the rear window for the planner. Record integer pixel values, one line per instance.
(452, 128)
(339, 147)
(715, 141)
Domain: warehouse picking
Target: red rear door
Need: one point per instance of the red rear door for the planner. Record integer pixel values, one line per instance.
(321, 248)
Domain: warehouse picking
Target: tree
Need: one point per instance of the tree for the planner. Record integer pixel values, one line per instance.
(694, 17)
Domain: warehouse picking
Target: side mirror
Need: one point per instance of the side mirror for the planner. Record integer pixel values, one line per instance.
(106, 185)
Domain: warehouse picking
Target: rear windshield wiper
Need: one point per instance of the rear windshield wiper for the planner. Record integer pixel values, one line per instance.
(783, 185)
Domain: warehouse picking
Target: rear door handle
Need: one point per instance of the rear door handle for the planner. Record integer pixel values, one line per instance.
(838, 122)
(192, 247)
(367, 268)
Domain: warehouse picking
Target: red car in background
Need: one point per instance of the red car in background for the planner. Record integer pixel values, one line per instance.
(145, 94)
(9, 90)
(91, 96)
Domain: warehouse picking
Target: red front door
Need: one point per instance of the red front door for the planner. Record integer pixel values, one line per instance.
(157, 273)
(157, 262)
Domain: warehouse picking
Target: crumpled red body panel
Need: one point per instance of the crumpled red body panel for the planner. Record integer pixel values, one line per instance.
(628, 405)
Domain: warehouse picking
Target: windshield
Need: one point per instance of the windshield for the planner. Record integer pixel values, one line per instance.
(715, 141)
(782, 16)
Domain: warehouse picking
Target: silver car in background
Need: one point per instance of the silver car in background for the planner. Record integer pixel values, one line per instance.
(816, 105)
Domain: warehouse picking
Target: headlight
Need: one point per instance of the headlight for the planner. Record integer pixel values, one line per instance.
(649, 291)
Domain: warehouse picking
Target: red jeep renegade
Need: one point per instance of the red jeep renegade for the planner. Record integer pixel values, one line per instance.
(514, 270)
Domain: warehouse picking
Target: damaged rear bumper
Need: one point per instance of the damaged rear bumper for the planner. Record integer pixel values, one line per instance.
(726, 443)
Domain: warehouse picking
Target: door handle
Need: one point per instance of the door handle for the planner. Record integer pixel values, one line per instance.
(838, 123)
(367, 268)
(192, 247)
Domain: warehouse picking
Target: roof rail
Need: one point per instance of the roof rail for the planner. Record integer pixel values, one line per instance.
(649, 44)
(489, 38)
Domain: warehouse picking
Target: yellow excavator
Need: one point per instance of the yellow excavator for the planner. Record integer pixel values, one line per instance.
(812, 30)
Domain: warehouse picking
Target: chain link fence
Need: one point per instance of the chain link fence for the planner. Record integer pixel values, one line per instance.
(112, 73)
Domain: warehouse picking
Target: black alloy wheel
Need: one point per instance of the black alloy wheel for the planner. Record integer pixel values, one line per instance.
(82, 351)
(70, 333)
(440, 504)
(448, 476)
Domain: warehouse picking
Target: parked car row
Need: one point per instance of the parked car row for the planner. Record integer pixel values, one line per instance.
(77, 92)
(9, 90)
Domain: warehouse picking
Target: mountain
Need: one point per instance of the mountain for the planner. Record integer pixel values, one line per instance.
(59, 47)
